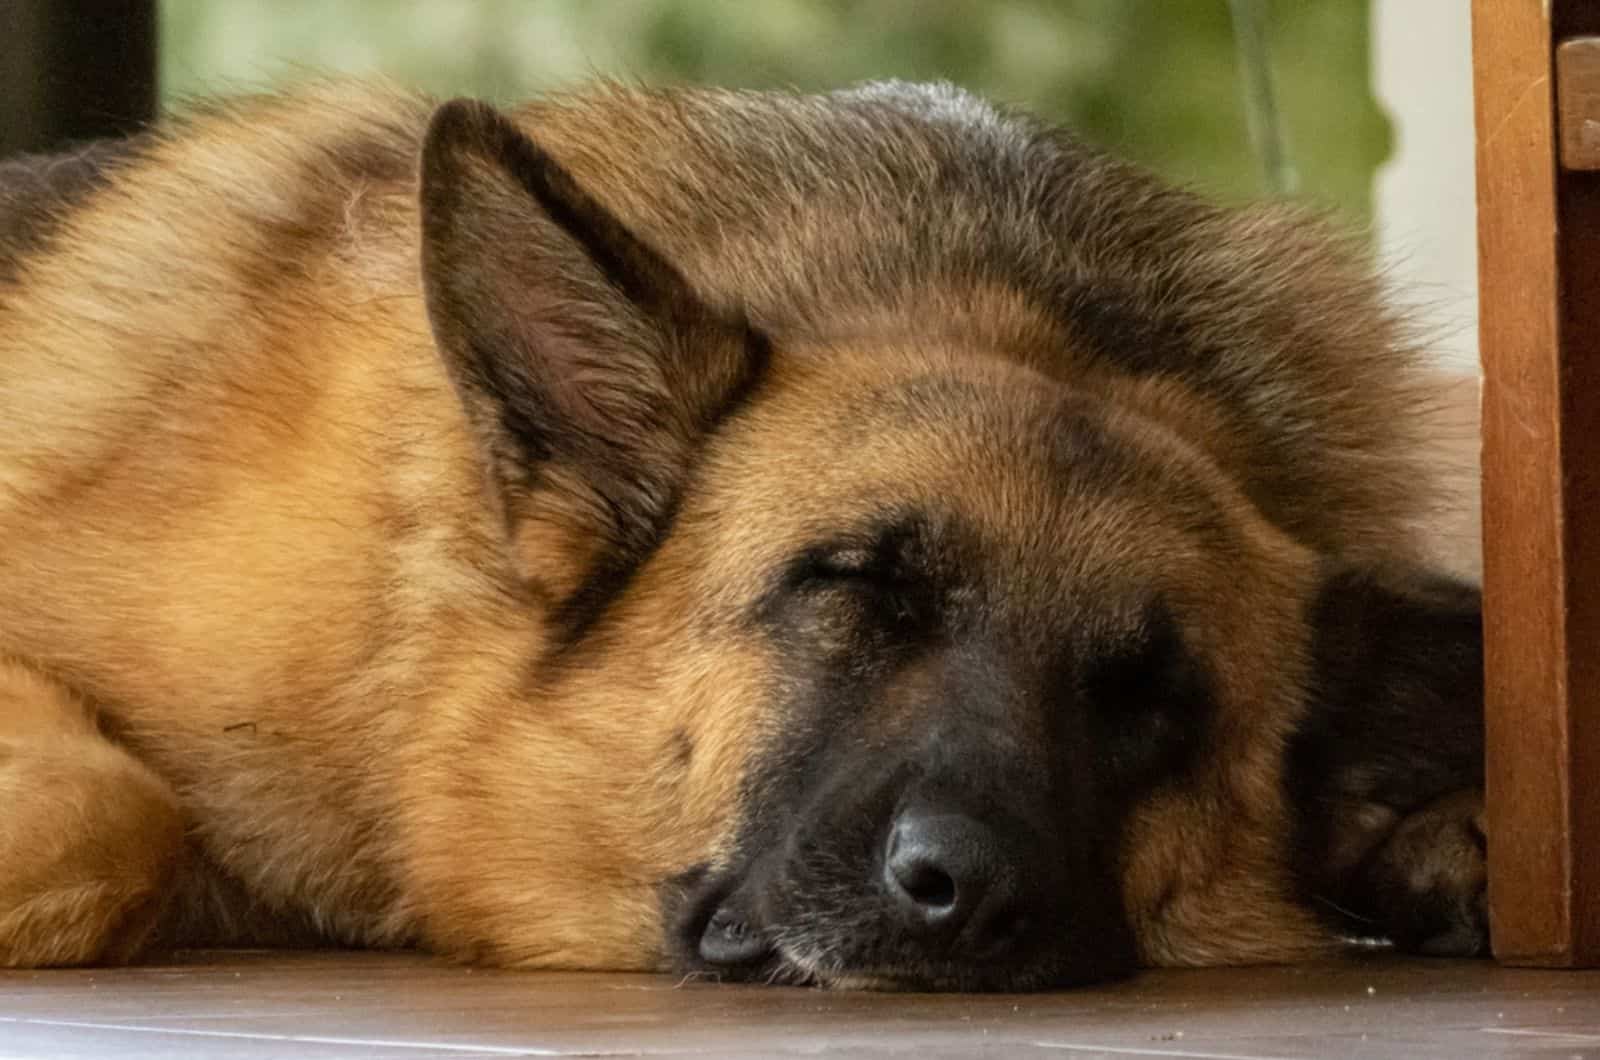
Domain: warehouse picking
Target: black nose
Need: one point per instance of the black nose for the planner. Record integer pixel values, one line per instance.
(952, 880)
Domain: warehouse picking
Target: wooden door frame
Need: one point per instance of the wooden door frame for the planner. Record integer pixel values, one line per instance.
(1539, 282)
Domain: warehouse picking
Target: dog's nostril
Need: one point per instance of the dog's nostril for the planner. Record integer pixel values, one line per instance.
(925, 883)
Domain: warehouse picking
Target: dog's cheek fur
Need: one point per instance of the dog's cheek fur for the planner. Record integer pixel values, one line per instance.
(517, 866)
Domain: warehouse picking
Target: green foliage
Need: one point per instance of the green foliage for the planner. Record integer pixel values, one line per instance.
(1153, 79)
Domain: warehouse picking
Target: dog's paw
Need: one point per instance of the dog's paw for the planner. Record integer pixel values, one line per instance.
(1426, 882)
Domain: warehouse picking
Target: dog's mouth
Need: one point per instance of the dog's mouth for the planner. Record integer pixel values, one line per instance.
(732, 937)
(735, 949)
(735, 946)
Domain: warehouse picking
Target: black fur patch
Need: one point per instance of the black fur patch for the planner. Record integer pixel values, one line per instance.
(1152, 705)
(38, 192)
(1395, 721)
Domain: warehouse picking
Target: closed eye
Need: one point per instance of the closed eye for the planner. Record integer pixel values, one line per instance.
(865, 566)
(846, 563)
(889, 562)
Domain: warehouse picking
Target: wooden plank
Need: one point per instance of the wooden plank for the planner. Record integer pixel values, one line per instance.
(1530, 917)
(1578, 102)
(1539, 238)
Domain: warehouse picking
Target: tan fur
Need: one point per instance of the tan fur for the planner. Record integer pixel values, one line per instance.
(90, 836)
(243, 519)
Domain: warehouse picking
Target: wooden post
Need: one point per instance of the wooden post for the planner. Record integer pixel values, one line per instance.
(74, 70)
(1539, 275)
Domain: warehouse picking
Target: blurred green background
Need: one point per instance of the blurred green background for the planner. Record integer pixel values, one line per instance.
(1156, 80)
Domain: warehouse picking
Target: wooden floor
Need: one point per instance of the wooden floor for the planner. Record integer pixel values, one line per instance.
(251, 1005)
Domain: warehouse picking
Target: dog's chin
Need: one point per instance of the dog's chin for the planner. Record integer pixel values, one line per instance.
(797, 965)
(830, 975)
(796, 961)
(800, 966)
(822, 973)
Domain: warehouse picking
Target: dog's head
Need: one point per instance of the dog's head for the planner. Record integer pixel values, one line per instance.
(953, 671)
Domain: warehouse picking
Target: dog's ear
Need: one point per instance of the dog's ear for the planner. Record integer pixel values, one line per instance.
(588, 366)
(1393, 728)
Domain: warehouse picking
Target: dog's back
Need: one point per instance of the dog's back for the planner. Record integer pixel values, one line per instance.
(283, 214)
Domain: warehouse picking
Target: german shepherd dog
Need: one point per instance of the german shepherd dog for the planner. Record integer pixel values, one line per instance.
(868, 539)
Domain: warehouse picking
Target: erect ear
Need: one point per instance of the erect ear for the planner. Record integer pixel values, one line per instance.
(589, 368)
(1393, 730)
